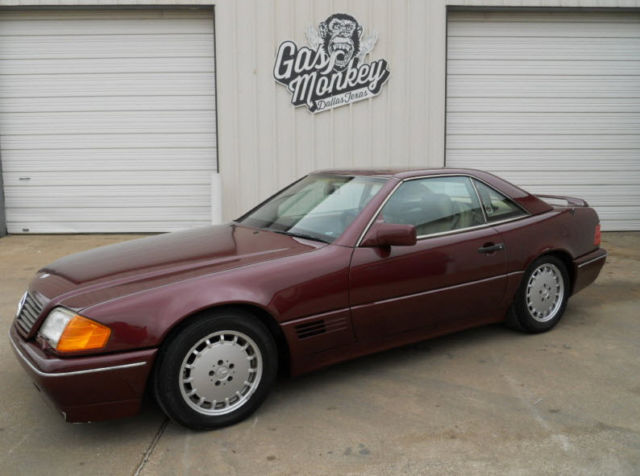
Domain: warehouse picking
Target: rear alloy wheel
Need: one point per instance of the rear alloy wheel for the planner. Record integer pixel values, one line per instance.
(542, 297)
(216, 371)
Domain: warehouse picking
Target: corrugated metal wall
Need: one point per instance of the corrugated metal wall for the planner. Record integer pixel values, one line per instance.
(551, 102)
(265, 142)
(107, 119)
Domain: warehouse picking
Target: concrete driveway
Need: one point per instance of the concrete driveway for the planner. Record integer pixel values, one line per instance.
(485, 401)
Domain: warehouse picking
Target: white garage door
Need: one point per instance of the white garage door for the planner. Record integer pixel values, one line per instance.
(550, 101)
(107, 119)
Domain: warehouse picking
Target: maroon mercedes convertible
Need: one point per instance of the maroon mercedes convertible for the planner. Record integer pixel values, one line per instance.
(337, 265)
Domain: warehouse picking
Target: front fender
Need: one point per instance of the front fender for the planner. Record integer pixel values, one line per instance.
(286, 289)
(143, 320)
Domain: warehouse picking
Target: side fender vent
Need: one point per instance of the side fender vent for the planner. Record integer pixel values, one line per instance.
(320, 326)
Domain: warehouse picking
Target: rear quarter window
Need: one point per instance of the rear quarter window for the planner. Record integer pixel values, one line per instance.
(497, 207)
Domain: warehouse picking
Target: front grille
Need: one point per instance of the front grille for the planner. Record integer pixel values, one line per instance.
(31, 310)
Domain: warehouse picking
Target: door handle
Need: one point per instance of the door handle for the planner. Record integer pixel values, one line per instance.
(491, 247)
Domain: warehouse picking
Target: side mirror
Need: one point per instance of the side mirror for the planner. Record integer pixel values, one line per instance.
(389, 234)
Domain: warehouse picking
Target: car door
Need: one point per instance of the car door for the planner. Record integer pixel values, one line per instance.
(452, 278)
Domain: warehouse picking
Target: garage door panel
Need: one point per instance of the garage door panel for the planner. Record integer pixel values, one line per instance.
(524, 66)
(533, 141)
(104, 14)
(108, 103)
(62, 160)
(541, 104)
(619, 213)
(543, 123)
(529, 177)
(192, 64)
(116, 201)
(621, 225)
(107, 119)
(548, 159)
(193, 191)
(115, 226)
(105, 141)
(544, 48)
(574, 29)
(174, 214)
(102, 26)
(550, 101)
(544, 86)
(542, 15)
(100, 46)
(148, 177)
(119, 122)
(119, 139)
(129, 84)
(613, 205)
(613, 195)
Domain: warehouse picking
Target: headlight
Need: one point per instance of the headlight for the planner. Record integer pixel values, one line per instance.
(67, 331)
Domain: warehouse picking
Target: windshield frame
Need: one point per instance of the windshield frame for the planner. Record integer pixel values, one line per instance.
(315, 237)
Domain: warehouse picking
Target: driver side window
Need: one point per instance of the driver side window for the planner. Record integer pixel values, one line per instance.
(434, 205)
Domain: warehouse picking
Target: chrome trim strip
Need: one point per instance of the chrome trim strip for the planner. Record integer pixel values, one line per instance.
(73, 372)
(451, 232)
(437, 290)
(593, 260)
(476, 227)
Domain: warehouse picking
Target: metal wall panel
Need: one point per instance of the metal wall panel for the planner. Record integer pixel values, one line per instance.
(266, 143)
(107, 119)
(549, 100)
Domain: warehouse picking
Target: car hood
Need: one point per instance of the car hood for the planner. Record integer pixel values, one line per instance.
(85, 278)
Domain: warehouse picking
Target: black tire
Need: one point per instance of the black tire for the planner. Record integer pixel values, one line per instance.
(528, 313)
(211, 365)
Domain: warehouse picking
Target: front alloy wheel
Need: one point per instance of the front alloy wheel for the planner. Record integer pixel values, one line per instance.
(216, 371)
(221, 372)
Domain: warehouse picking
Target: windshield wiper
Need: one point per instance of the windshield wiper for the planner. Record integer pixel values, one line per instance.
(300, 235)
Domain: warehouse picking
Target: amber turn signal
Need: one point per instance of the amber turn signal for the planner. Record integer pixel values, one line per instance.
(83, 334)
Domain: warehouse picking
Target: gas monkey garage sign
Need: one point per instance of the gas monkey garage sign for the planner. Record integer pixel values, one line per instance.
(331, 72)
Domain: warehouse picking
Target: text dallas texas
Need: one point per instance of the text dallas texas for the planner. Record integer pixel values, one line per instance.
(331, 72)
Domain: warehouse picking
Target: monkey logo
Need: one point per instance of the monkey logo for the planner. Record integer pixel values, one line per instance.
(341, 34)
(331, 71)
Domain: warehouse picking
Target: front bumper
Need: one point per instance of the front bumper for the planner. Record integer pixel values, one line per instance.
(84, 388)
(587, 268)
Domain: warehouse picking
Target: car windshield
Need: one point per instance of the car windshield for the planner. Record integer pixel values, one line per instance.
(319, 207)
